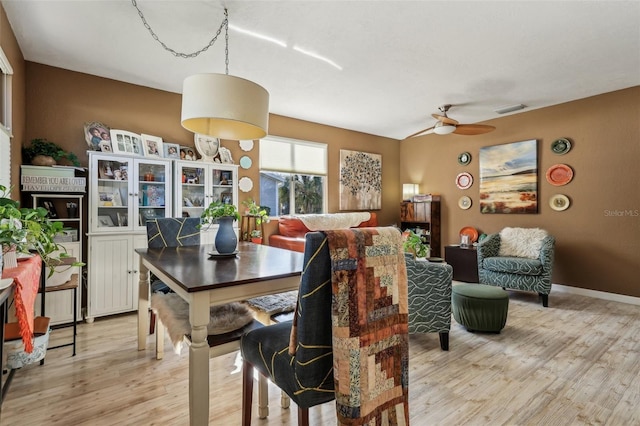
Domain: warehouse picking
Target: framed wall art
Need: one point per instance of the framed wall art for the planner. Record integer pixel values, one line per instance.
(360, 180)
(509, 178)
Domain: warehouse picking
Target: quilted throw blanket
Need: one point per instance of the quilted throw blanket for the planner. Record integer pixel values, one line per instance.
(370, 326)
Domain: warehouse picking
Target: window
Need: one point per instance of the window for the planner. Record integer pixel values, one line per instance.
(5, 120)
(293, 176)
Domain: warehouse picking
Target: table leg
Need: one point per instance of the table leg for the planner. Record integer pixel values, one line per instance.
(143, 306)
(199, 360)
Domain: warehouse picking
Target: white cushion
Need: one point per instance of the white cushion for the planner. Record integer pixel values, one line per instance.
(521, 242)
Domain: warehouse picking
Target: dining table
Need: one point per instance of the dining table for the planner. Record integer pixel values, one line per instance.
(203, 277)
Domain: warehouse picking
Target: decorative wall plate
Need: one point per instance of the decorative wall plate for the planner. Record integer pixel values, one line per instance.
(246, 145)
(560, 146)
(464, 158)
(245, 184)
(559, 202)
(464, 180)
(559, 174)
(245, 162)
(471, 232)
(464, 202)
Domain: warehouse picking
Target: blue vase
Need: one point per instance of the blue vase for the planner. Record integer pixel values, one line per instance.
(226, 240)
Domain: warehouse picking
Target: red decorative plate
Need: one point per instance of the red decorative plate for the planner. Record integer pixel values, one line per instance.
(464, 180)
(559, 174)
(471, 232)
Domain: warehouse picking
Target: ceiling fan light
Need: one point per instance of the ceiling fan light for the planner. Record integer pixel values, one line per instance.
(443, 129)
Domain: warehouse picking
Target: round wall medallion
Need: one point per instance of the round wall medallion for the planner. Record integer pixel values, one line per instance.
(246, 145)
(559, 202)
(560, 146)
(464, 158)
(245, 184)
(464, 202)
(245, 162)
(464, 180)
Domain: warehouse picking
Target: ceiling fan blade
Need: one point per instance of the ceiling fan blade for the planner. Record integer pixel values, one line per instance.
(426, 131)
(473, 129)
(444, 119)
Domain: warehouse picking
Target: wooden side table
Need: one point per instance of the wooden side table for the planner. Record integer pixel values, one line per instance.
(464, 261)
(247, 225)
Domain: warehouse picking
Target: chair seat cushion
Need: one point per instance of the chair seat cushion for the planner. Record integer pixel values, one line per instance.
(267, 349)
(513, 265)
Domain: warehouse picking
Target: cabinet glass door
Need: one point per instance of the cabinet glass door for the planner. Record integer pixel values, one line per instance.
(191, 190)
(222, 181)
(111, 209)
(151, 195)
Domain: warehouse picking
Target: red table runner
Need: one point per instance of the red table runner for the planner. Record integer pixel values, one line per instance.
(27, 281)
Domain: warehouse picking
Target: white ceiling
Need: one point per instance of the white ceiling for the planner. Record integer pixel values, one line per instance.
(400, 60)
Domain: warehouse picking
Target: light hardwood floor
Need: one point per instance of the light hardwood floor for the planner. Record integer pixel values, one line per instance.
(576, 362)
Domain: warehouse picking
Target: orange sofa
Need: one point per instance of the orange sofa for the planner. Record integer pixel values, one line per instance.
(291, 232)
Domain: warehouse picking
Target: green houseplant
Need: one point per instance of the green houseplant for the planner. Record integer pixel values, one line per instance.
(413, 243)
(48, 149)
(224, 215)
(261, 215)
(25, 229)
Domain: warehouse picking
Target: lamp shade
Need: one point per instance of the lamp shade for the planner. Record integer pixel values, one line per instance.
(224, 106)
(409, 190)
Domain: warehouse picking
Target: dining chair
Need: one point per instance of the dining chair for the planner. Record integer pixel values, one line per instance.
(311, 357)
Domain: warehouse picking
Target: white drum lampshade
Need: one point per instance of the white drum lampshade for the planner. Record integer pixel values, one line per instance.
(225, 106)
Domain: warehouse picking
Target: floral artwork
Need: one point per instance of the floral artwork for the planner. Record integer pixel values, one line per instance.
(509, 178)
(360, 180)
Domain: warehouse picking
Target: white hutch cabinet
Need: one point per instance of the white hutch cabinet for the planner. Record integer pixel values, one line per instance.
(124, 191)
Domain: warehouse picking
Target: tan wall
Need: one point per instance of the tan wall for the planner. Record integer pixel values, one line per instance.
(59, 102)
(14, 55)
(598, 236)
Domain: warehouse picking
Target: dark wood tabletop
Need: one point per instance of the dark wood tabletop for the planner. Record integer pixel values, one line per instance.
(195, 270)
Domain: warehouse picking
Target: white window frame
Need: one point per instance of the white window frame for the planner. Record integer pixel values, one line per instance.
(5, 118)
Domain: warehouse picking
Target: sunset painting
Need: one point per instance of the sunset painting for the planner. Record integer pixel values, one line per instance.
(509, 178)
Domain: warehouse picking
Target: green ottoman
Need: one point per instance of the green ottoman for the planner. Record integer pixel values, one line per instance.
(480, 307)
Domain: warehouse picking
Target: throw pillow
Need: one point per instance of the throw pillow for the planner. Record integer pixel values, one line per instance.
(521, 242)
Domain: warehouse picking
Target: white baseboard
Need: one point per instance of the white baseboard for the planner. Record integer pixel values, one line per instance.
(597, 294)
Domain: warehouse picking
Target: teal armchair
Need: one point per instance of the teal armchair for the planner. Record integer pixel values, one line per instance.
(517, 272)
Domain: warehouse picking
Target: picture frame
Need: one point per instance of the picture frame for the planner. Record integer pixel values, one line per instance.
(188, 153)
(171, 150)
(122, 219)
(96, 132)
(105, 146)
(50, 207)
(152, 145)
(225, 155)
(105, 170)
(124, 142)
(105, 221)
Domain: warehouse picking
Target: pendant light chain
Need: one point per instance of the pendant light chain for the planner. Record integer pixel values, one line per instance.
(224, 24)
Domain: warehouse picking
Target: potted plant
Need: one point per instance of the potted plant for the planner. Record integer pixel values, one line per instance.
(41, 148)
(256, 236)
(24, 229)
(224, 215)
(252, 209)
(413, 243)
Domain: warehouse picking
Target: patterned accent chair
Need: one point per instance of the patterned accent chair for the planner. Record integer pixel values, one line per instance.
(520, 269)
(429, 298)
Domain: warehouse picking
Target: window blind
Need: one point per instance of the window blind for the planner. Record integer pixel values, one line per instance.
(293, 156)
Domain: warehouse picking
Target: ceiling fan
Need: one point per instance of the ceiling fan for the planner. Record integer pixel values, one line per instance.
(446, 125)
